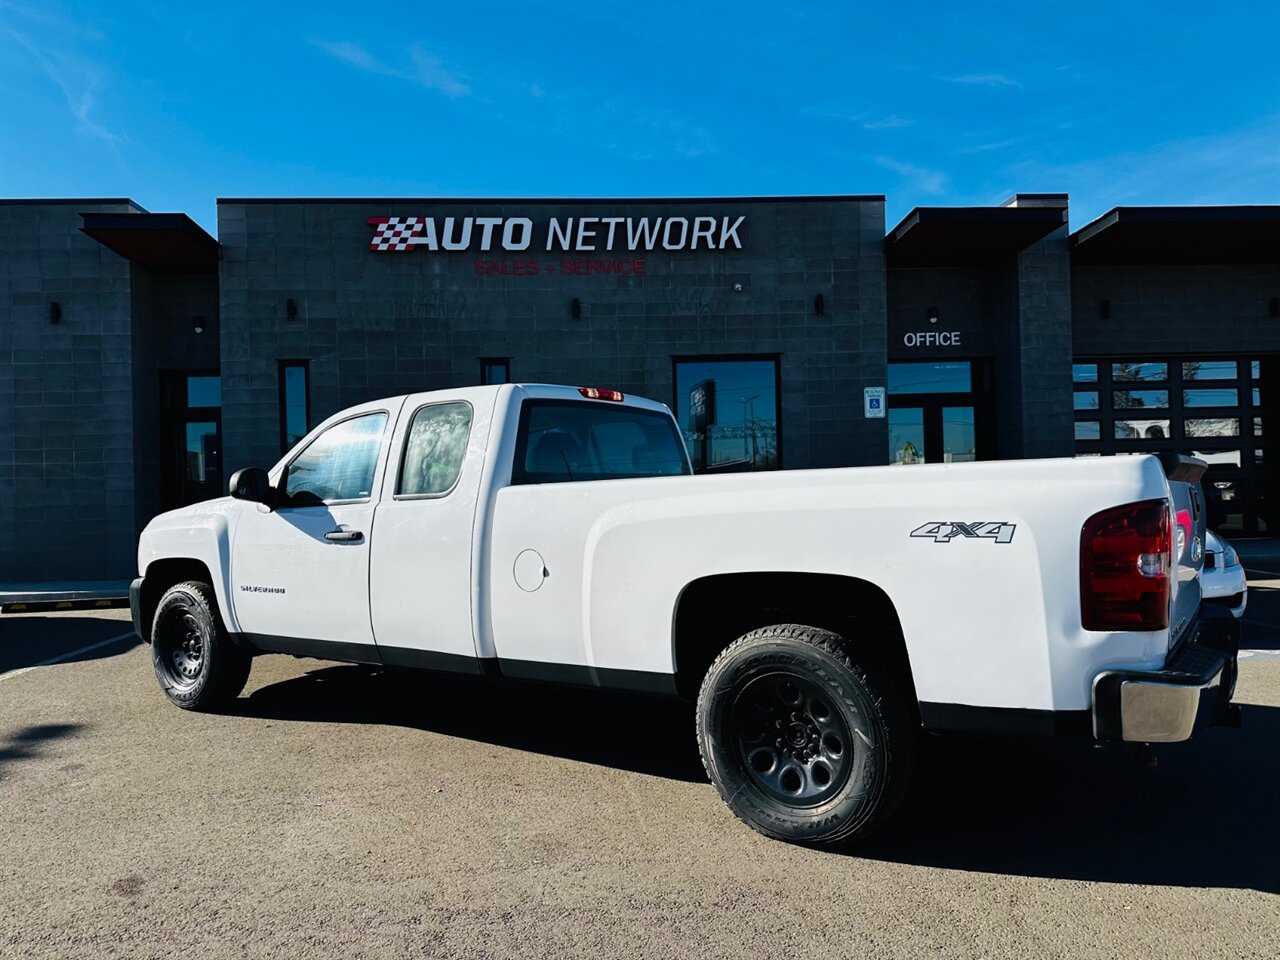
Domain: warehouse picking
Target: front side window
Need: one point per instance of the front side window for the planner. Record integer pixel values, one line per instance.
(434, 450)
(339, 464)
(562, 441)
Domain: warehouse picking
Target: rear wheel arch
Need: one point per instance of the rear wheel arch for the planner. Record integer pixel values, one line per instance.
(712, 612)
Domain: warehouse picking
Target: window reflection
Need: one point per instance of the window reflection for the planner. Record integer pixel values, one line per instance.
(1209, 370)
(204, 391)
(202, 456)
(1084, 373)
(1216, 427)
(1142, 429)
(958, 444)
(1140, 399)
(435, 449)
(339, 464)
(1139, 371)
(728, 411)
(1088, 430)
(1085, 400)
(930, 378)
(1224, 397)
(906, 435)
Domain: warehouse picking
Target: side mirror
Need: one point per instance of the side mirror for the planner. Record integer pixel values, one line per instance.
(251, 484)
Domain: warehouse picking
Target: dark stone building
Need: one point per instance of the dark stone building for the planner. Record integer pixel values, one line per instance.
(142, 361)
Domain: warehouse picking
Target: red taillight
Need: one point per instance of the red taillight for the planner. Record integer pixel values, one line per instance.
(1126, 563)
(595, 393)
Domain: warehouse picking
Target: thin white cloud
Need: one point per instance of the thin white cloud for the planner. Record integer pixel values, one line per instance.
(983, 80)
(988, 147)
(48, 16)
(888, 123)
(830, 111)
(353, 54)
(847, 114)
(1231, 167)
(432, 74)
(932, 182)
(424, 69)
(79, 81)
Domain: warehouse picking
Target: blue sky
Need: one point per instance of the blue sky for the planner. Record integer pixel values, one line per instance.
(931, 104)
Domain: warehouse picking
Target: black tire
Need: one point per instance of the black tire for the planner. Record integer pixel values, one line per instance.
(196, 662)
(838, 741)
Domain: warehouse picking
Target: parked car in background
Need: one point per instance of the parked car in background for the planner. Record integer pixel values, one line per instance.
(1222, 579)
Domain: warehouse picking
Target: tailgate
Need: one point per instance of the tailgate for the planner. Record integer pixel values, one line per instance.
(1184, 475)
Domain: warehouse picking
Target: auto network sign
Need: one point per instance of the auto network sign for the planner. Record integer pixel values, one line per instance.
(620, 237)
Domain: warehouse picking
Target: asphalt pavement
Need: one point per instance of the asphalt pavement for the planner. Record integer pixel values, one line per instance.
(343, 811)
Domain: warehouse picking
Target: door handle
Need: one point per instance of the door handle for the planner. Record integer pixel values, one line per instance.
(344, 536)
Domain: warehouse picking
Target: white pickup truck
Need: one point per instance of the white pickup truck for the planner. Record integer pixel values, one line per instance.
(822, 619)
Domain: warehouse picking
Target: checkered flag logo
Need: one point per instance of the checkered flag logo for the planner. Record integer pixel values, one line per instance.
(394, 233)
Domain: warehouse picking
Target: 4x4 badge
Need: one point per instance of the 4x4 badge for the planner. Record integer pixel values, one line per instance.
(939, 532)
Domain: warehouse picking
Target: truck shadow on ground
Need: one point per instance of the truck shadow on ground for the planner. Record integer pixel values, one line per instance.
(1205, 817)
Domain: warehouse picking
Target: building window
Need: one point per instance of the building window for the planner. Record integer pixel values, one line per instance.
(295, 412)
(1140, 399)
(191, 437)
(1084, 373)
(727, 408)
(494, 370)
(930, 378)
(1209, 370)
(204, 392)
(1130, 371)
(1211, 408)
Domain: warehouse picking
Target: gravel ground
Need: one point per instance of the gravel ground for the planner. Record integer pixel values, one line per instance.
(346, 812)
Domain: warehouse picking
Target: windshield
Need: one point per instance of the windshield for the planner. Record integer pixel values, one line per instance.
(565, 440)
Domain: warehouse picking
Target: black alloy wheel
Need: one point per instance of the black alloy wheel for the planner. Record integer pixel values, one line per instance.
(180, 645)
(807, 737)
(791, 738)
(198, 664)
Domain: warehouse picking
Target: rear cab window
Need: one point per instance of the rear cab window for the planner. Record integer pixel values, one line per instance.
(560, 441)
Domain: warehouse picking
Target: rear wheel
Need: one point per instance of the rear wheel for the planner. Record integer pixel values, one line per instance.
(196, 662)
(805, 739)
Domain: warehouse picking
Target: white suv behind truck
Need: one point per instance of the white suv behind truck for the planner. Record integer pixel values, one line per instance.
(822, 619)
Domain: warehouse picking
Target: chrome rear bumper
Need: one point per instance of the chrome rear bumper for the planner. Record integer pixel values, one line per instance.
(1192, 691)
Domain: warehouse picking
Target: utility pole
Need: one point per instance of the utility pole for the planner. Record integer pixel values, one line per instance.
(749, 404)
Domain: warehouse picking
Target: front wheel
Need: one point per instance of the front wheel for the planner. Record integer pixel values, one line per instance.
(804, 741)
(196, 662)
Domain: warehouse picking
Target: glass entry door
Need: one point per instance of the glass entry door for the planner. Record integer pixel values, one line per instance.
(936, 415)
(191, 438)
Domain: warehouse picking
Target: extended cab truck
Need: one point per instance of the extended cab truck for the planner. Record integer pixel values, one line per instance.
(821, 618)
